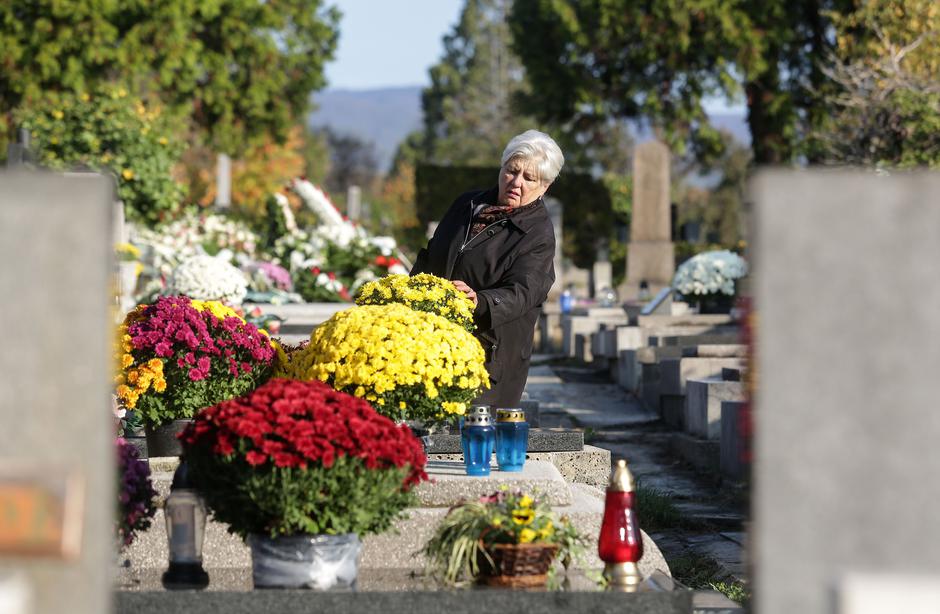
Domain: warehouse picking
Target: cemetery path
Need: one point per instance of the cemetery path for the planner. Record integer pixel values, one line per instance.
(707, 524)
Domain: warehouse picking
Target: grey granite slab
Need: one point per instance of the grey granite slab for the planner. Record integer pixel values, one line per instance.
(540, 440)
(449, 483)
(401, 602)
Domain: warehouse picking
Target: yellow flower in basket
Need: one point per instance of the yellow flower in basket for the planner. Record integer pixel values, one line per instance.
(410, 365)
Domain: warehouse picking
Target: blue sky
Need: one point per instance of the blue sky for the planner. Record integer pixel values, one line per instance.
(389, 42)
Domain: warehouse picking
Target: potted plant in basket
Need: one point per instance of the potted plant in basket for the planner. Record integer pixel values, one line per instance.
(410, 365)
(708, 280)
(300, 471)
(178, 355)
(505, 539)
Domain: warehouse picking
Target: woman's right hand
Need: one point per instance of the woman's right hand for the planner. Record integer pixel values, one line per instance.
(471, 294)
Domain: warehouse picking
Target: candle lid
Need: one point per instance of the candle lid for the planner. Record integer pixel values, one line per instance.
(510, 415)
(478, 419)
(621, 480)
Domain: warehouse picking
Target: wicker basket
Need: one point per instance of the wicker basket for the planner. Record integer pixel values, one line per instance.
(518, 565)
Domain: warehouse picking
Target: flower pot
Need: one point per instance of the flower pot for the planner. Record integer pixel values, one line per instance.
(518, 565)
(162, 440)
(715, 303)
(320, 562)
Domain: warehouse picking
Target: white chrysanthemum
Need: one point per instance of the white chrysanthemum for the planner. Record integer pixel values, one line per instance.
(209, 279)
(709, 273)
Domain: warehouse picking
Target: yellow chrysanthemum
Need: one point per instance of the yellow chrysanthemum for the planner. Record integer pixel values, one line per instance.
(418, 364)
(525, 501)
(423, 292)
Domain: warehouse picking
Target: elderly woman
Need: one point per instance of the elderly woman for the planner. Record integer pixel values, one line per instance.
(498, 247)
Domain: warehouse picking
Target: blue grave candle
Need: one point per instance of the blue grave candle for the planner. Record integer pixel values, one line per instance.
(477, 438)
(512, 439)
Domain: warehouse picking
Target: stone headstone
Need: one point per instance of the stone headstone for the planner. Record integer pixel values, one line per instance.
(650, 255)
(223, 181)
(55, 287)
(354, 203)
(601, 278)
(556, 213)
(846, 423)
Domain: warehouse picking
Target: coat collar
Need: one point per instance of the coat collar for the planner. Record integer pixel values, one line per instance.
(524, 221)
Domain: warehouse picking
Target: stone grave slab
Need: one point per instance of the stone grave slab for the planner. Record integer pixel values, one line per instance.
(56, 278)
(733, 464)
(715, 351)
(703, 401)
(452, 484)
(540, 440)
(846, 424)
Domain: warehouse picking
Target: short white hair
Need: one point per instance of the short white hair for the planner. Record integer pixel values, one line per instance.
(537, 147)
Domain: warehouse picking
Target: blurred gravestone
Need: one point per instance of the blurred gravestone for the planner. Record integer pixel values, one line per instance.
(57, 471)
(555, 212)
(846, 423)
(650, 255)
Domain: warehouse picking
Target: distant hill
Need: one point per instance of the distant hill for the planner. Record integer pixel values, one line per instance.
(385, 116)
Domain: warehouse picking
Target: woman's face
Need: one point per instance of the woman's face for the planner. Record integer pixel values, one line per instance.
(519, 183)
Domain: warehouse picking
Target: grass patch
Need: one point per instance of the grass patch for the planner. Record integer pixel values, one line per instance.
(701, 572)
(655, 509)
(735, 591)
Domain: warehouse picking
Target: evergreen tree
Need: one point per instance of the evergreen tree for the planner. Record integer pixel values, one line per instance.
(468, 108)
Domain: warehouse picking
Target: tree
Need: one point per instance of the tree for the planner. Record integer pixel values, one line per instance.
(352, 162)
(468, 108)
(596, 59)
(239, 69)
(886, 97)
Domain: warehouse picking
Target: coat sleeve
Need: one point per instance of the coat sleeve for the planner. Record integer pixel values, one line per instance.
(524, 286)
(421, 262)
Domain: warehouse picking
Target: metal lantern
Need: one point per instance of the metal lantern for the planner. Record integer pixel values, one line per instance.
(185, 514)
(620, 543)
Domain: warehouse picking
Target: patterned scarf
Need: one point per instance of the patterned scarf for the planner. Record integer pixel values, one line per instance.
(494, 213)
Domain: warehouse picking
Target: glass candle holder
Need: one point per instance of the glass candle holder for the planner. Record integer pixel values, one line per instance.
(477, 438)
(512, 439)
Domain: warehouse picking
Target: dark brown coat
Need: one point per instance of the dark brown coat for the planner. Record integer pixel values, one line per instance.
(510, 265)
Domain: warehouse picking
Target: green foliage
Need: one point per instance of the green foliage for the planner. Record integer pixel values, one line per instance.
(111, 131)
(655, 509)
(588, 211)
(885, 96)
(275, 225)
(344, 498)
(735, 591)
(590, 60)
(185, 397)
(239, 69)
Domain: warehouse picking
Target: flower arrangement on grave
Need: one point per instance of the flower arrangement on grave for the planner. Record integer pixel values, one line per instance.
(708, 280)
(110, 130)
(302, 458)
(709, 273)
(317, 286)
(509, 538)
(410, 365)
(178, 355)
(423, 292)
(135, 494)
(207, 278)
